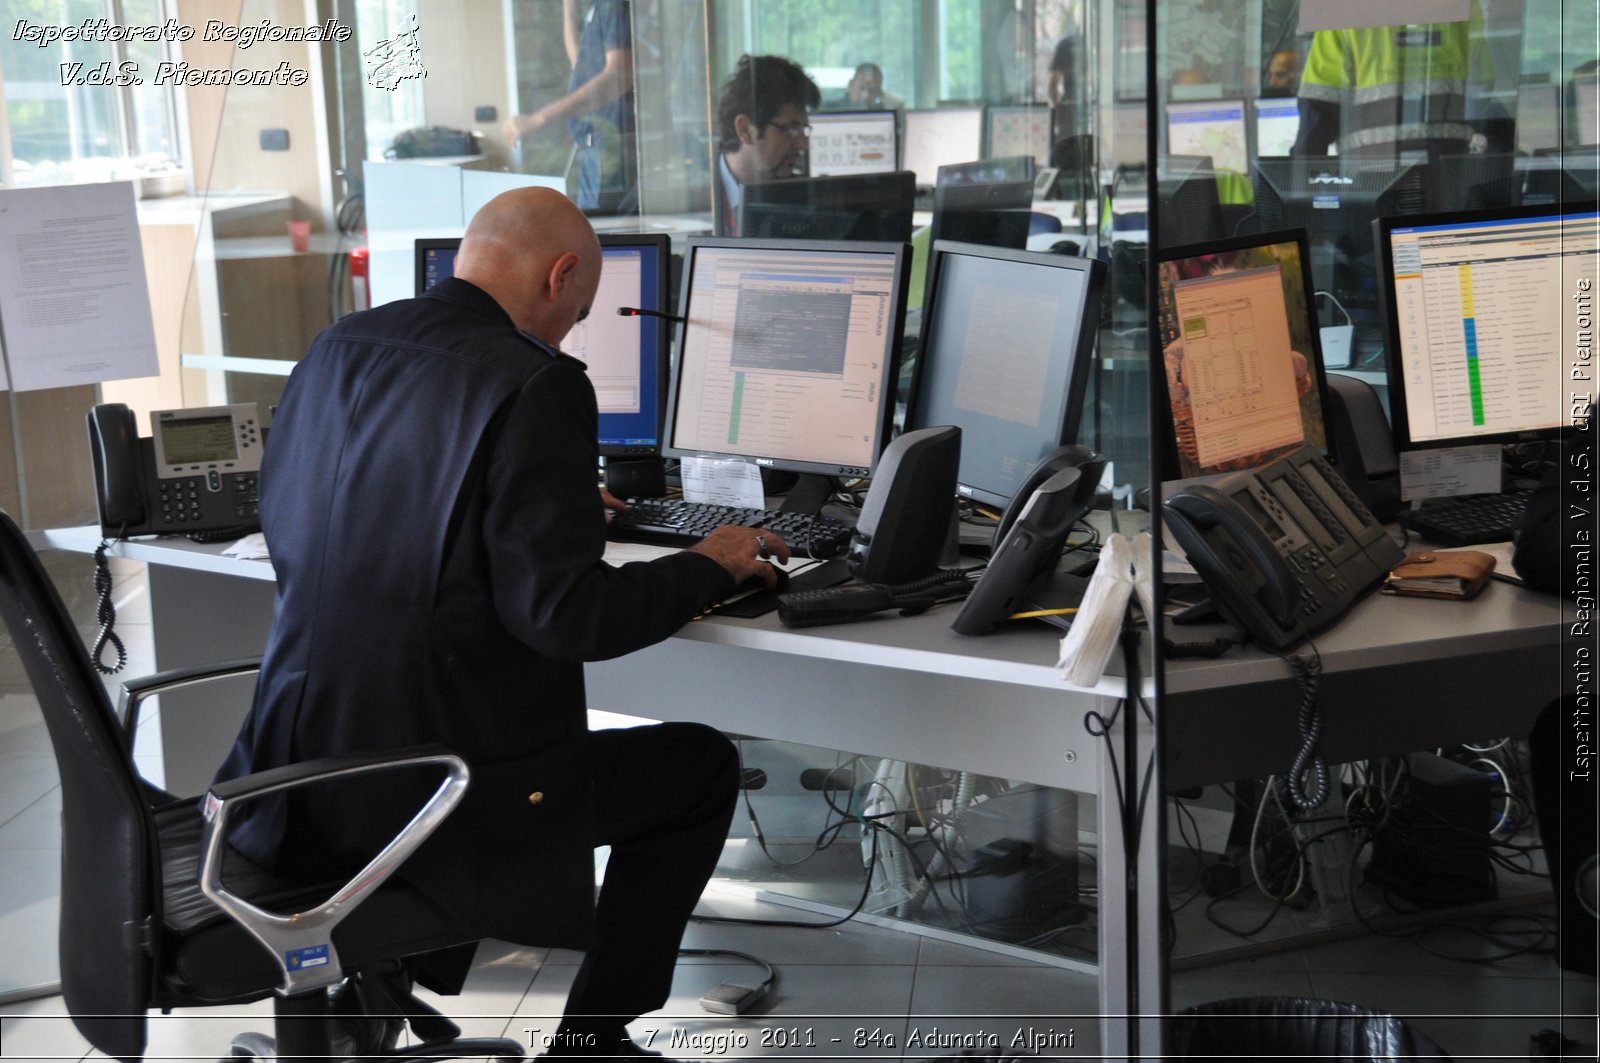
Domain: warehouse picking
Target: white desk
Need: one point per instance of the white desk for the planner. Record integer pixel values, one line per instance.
(1399, 674)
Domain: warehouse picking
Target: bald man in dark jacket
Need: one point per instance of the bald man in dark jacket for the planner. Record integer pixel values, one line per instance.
(431, 506)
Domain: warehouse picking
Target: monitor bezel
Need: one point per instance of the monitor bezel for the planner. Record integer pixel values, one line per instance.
(840, 117)
(1382, 231)
(890, 373)
(662, 245)
(770, 196)
(1071, 420)
(1169, 466)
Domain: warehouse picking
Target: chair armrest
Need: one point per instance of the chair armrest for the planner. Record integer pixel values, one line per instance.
(302, 942)
(134, 691)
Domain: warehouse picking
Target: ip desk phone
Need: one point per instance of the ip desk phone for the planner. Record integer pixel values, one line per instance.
(1283, 550)
(196, 474)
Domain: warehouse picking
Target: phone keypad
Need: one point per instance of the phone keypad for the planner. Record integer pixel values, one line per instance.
(181, 499)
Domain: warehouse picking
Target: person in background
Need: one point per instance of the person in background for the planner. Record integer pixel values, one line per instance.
(1380, 91)
(865, 90)
(1282, 75)
(762, 130)
(1063, 89)
(598, 108)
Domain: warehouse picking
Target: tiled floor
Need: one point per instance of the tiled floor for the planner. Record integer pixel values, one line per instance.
(855, 990)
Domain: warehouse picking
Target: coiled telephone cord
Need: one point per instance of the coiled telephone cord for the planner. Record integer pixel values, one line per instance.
(106, 615)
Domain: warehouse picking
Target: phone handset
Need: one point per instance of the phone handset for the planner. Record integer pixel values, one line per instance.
(1242, 568)
(118, 476)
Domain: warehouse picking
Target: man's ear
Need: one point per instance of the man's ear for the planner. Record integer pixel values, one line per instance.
(744, 129)
(561, 273)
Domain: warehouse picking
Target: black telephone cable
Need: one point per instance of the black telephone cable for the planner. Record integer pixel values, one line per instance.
(1308, 673)
(106, 615)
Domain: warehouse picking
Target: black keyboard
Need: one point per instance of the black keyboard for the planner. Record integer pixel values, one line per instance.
(674, 522)
(1468, 519)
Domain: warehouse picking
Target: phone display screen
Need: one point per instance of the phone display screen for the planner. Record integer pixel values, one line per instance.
(197, 440)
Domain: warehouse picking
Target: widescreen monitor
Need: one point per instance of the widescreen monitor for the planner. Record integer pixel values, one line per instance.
(862, 206)
(850, 142)
(1019, 129)
(626, 356)
(1242, 368)
(987, 202)
(1212, 128)
(1006, 342)
(1277, 125)
(788, 353)
(941, 137)
(1489, 315)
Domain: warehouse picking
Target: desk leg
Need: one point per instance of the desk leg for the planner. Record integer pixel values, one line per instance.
(198, 618)
(1133, 983)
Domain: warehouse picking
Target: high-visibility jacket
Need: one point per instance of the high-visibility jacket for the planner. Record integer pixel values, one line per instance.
(1394, 84)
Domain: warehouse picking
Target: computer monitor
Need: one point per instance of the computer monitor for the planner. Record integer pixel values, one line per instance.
(847, 142)
(1538, 117)
(1006, 342)
(626, 356)
(941, 137)
(1586, 108)
(1020, 129)
(1335, 200)
(1277, 125)
(1212, 128)
(1488, 314)
(788, 353)
(1190, 208)
(861, 206)
(986, 202)
(1243, 374)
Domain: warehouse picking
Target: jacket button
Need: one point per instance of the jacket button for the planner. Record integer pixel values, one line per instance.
(535, 797)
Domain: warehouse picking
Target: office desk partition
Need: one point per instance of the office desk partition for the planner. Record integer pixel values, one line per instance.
(1399, 674)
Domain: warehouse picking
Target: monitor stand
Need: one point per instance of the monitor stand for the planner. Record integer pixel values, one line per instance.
(809, 494)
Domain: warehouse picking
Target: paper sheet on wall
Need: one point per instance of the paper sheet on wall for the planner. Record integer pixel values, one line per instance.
(1357, 14)
(1449, 471)
(74, 304)
(722, 482)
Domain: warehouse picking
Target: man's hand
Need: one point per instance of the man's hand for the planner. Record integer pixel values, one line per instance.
(612, 503)
(742, 551)
(520, 125)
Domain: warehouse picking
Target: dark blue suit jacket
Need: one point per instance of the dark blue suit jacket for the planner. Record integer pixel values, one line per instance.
(429, 499)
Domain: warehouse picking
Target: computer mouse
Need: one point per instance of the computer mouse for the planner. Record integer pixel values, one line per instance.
(758, 583)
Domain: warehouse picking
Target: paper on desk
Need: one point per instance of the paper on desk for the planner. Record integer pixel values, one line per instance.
(251, 548)
(723, 482)
(623, 553)
(1088, 645)
(1448, 471)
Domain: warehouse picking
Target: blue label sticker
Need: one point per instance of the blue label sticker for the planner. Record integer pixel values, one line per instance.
(313, 956)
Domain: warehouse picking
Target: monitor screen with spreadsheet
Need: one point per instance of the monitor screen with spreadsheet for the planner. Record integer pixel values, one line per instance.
(1242, 365)
(626, 356)
(1006, 343)
(846, 142)
(788, 353)
(1489, 315)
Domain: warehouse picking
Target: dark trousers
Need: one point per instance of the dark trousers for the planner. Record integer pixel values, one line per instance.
(664, 796)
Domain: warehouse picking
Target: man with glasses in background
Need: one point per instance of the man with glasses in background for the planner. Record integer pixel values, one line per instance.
(762, 128)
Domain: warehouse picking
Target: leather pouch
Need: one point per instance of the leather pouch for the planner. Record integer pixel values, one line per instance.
(1440, 574)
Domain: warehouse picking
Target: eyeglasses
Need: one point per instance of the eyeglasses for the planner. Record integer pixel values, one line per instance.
(798, 129)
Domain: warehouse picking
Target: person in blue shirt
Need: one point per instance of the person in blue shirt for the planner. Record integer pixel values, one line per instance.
(598, 107)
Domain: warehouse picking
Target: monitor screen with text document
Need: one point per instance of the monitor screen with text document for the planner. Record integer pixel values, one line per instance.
(1242, 366)
(938, 138)
(1007, 338)
(1490, 320)
(789, 353)
(626, 356)
(848, 142)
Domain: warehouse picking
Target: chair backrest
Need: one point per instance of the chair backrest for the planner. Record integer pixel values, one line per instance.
(108, 893)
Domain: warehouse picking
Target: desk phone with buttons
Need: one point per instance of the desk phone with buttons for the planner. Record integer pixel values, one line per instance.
(196, 474)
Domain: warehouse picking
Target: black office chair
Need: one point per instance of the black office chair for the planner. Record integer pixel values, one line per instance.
(146, 918)
(1295, 1028)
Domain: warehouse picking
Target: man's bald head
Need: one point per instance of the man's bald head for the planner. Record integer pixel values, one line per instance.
(534, 252)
